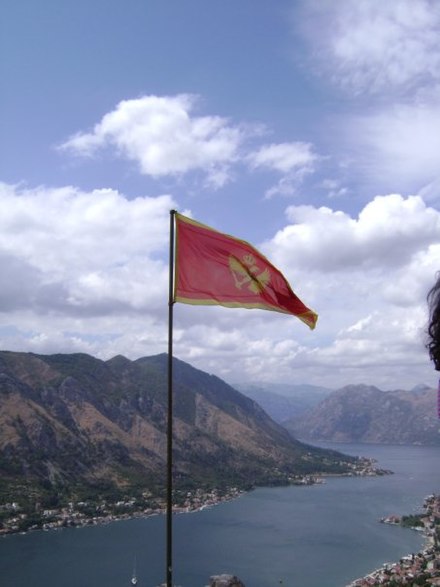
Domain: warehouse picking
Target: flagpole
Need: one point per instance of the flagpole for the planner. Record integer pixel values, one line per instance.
(169, 508)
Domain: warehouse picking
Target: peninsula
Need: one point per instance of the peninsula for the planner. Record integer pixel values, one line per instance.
(422, 568)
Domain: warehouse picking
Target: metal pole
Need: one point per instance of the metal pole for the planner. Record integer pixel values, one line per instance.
(169, 511)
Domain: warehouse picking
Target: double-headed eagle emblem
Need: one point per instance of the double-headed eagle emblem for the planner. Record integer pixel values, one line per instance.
(246, 273)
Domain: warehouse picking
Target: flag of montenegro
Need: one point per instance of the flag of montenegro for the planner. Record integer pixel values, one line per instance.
(213, 268)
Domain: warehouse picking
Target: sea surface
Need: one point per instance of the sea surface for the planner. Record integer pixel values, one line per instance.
(319, 536)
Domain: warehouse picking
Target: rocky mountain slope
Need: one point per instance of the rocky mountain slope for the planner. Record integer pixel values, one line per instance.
(362, 413)
(72, 422)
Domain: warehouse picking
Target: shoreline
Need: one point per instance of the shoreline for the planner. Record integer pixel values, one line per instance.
(74, 519)
(426, 563)
(83, 514)
(422, 566)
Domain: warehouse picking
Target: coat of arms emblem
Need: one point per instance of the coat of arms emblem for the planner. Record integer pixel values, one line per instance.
(246, 273)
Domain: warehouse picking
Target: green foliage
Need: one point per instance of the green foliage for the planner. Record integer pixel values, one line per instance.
(412, 521)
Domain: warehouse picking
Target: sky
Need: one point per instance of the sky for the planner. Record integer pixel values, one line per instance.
(309, 128)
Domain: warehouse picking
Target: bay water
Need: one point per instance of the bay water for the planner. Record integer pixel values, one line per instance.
(316, 536)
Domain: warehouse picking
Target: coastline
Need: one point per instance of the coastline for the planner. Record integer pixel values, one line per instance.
(422, 568)
(88, 513)
(341, 568)
(72, 517)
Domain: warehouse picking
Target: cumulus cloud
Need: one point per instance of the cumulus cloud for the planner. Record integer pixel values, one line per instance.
(164, 137)
(79, 253)
(367, 277)
(389, 232)
(371, 46)
(89, 272)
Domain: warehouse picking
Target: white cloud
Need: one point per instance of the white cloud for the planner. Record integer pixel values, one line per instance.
(88, 272)
(334, 188)
(294, 160)
(366, 276)
(161, 134)
(400, 143)
(82, 253)
(374, 46)
(386, 57)
(285, 157)
(388, 232)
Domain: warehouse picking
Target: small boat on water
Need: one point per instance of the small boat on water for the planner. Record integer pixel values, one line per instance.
(134, 576)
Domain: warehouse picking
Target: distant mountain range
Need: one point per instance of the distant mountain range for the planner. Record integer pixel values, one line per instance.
(362, 413)
(73, 423)
(283, 401)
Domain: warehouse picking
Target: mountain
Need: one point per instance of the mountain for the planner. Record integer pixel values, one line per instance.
(362, 413)
(75, 423)
(283, 401)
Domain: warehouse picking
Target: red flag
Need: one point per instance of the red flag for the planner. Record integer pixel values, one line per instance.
(213, 268)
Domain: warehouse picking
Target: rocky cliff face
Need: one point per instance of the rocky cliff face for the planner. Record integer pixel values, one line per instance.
(73, 420)
(362, 413)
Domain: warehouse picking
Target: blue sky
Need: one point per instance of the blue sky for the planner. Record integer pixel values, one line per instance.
(309, 128)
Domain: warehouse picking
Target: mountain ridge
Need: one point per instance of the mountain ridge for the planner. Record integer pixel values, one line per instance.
(71, 422)
(364, 413)
(284, 401)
